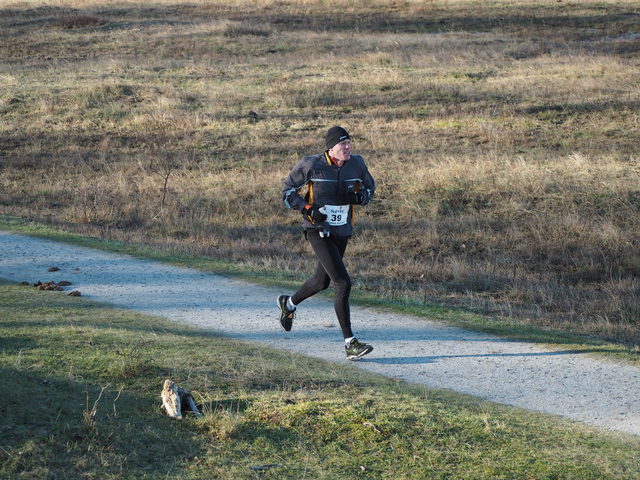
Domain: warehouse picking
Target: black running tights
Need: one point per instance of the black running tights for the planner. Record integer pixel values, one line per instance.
(329, 251)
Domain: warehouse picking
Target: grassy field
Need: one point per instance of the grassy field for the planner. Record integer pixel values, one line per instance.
(83, 383)
(503, 136)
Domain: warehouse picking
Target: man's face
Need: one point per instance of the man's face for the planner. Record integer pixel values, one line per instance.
(341, 151)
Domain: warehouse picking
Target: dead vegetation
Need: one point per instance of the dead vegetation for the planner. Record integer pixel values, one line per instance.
(503, 139)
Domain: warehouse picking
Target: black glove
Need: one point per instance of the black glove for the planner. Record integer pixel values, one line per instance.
(353, 197)
(313, 214)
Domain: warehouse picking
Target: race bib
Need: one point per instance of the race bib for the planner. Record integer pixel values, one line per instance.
(337, 215)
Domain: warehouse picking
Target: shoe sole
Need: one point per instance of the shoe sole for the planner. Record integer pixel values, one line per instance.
(361, 354)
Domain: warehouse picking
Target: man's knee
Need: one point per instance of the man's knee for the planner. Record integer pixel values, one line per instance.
(343, 286)
(320, 284)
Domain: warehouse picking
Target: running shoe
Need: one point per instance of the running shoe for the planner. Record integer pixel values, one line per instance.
(357, 349)
(286, 315)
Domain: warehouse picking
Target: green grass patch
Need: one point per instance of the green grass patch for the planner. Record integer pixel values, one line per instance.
(83, 383)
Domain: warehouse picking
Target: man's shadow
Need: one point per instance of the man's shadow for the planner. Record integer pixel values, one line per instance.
(434, 358)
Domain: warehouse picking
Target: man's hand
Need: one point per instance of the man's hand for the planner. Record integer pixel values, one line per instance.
(353, 197)
(313, 214)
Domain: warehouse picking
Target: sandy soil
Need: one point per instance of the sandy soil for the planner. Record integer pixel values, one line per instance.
(561, 382)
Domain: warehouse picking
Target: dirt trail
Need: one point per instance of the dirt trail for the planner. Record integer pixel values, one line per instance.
(561, 382)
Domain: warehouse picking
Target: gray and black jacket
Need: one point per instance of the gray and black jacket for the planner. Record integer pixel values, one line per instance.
(316, 180)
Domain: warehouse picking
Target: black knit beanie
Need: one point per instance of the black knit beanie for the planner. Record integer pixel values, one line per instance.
(335, 135)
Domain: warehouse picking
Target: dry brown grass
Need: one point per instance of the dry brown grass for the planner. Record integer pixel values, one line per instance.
(503, 138)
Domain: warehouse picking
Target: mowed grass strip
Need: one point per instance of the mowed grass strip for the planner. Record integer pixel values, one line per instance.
(82, 383)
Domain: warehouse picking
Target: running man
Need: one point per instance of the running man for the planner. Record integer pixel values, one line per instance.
(326, 188)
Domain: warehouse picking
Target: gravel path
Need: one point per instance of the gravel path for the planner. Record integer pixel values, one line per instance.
(562, 382)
